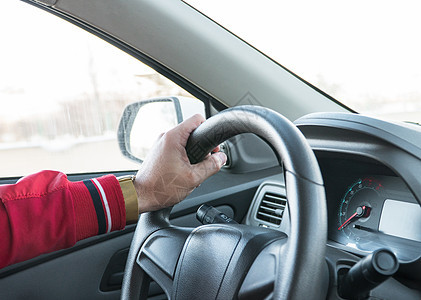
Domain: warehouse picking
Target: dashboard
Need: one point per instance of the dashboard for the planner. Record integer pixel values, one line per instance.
(369, 207)
(371, 172)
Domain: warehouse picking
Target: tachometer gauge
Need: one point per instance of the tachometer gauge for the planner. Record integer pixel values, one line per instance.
(357, 207)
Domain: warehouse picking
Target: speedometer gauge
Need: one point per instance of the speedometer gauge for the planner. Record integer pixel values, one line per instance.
(357, 207)
(373, 213)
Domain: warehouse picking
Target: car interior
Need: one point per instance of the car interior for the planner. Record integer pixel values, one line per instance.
(315, 201)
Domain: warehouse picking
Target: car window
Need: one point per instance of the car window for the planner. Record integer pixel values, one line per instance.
(62, 92)
(363, 53)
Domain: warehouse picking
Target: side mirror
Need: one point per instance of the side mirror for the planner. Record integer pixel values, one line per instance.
(142, 122)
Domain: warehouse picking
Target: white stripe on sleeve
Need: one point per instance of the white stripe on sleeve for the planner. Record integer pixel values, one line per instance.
(104, 199)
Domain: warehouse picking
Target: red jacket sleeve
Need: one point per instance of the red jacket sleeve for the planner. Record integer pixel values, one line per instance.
(45, 212)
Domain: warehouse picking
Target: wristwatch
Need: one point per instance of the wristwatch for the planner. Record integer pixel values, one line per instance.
(130, 198)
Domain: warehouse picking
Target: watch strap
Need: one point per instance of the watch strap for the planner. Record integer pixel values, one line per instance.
(130, 198)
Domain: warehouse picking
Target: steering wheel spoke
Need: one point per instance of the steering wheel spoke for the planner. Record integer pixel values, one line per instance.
(160, 253)
(260, 279)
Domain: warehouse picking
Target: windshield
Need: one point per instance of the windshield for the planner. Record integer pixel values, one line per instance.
(365, 54)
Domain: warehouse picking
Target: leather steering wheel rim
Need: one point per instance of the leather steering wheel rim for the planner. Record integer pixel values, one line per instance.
(304, 257)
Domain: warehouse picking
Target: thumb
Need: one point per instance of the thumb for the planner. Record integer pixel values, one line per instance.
(209, 166)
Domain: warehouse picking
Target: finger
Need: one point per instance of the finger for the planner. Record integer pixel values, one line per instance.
(217, 149)
(191, 123)
(185, 128)
(209, 166)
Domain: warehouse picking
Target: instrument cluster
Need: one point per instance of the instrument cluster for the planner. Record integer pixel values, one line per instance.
(372, 210)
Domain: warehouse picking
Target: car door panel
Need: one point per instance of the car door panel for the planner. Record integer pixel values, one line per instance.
(78, 272)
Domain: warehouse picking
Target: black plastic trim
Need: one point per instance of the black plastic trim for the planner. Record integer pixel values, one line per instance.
(7, 271)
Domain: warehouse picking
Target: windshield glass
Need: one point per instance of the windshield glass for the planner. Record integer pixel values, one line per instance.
(365, 54)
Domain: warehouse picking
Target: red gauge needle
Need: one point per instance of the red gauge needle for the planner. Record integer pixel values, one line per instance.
(362, 211)
(348, 221)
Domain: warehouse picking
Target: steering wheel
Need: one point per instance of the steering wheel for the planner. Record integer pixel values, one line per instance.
(213, 261)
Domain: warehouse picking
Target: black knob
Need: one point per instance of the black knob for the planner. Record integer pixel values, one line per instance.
(367, 274)
(207, 214)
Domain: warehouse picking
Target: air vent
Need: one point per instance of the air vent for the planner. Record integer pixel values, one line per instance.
(271, 208)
